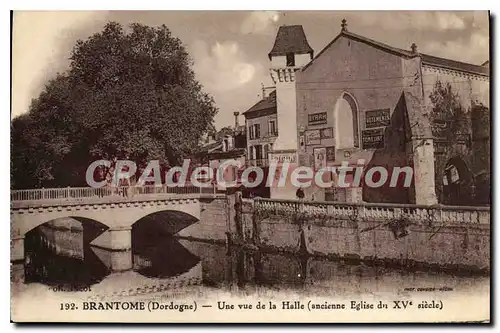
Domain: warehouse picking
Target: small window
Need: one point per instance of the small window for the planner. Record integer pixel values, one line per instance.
(229, 143)
(290, 59)
(251, 132)
(266, 152)
(273, 130)
(257, 131)
(258, 152)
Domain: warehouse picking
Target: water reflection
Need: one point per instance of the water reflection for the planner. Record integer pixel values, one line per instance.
(256, 271)
(57, 256)
(157, 254)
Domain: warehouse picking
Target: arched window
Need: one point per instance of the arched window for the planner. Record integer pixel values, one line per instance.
(346, 122)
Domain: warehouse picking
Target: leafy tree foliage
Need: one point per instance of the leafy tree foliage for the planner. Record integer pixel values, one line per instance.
(128, 94)
(451, 127)
(449, 116)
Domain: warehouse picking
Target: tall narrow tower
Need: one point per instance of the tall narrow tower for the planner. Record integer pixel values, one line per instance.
(290, 52)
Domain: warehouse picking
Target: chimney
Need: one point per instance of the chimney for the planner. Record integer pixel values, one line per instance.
(236, 121)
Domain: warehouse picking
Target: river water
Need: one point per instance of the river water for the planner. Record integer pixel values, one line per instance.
(158, 259)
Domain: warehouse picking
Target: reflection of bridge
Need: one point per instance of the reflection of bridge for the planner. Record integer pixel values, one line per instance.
(434, 235)
(115, 208)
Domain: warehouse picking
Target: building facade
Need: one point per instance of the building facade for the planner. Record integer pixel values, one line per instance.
(363, 104)
(376, 100)
(227, 145)
(262, 130)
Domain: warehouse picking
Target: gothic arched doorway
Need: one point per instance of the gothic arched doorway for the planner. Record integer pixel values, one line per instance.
(458, 183)
(346, 122)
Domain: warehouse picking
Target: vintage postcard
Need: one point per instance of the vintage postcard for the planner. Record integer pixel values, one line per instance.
(250, 167)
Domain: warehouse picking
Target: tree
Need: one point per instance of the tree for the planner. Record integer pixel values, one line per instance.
(448, 117)
(127, 95)
(450, 124)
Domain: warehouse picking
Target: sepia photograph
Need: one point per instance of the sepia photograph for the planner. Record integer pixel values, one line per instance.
(250, 167)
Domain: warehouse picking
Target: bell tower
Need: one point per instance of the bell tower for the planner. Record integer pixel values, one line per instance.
(290, 53)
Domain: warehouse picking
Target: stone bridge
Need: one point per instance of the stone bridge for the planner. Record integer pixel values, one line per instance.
(452, 237)
(115, 209)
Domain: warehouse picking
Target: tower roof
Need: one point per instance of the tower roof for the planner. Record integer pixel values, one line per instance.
(290, 39)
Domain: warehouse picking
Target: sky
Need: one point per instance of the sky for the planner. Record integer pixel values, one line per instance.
(230, 48)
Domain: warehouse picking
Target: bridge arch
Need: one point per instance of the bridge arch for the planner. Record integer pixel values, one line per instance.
(23, 223)
(188, 209)
(155, 251)
(58, 252)
(171, 221)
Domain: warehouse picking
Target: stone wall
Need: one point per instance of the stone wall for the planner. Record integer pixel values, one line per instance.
(448, 238)
(214, 221)
(453, 246)
(469, 87)
(64, 236)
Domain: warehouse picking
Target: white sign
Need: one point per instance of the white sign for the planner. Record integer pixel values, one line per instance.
(313, 137)
(319, 158)
(454, 174)
(284, 157)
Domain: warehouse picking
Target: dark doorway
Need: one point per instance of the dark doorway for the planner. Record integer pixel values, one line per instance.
(458, 183)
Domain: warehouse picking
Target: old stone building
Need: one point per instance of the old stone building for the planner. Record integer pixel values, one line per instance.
(229, 143)
(362, 103)
(262, 130)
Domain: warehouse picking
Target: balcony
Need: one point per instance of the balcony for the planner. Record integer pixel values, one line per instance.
(257, 163)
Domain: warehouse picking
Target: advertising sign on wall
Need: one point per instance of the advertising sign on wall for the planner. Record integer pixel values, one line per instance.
(302, 141)
(373, 138)
(330, 154)
(317, 118)
(313, 137)
(284, 157)
(319, 158)
(326, 133)
(377, 118)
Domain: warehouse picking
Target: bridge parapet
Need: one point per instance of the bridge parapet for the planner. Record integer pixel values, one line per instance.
(89, 195)
(376, 211)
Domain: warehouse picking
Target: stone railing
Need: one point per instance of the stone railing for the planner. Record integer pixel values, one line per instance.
(376, 211)
(120, 193)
